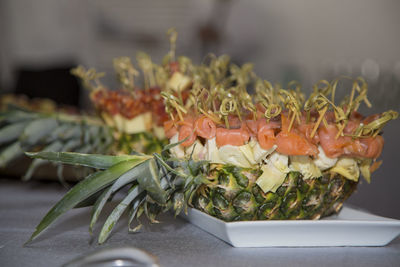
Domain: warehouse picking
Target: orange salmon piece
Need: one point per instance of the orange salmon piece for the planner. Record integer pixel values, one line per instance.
(184, 132)
(170, 129)
(205, 127)
(234, 137)
(294, 144)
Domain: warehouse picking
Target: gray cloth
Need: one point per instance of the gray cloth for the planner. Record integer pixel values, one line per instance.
(174, 241)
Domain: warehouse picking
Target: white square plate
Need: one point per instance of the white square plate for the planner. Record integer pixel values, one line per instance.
(350, 227)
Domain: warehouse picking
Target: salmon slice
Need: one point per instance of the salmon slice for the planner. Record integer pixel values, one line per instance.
(294, 144)
(351, 126)
(375, 146)
(234, 137)
(306, 129)
(205, 127)
(188, 121)
(186, 131)
(252, 127)
(266, 133)
(266, 137)
(332, 147)
(170, 129)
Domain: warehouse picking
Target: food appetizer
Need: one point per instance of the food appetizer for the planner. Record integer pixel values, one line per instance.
(269, 155)
(213, 136)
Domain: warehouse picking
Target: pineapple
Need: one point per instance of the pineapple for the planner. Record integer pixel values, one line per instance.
(159, 183)
(23, 130)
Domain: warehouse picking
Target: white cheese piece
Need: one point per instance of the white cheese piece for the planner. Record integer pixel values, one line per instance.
(323, 162)
(176, 151)
(306, 166)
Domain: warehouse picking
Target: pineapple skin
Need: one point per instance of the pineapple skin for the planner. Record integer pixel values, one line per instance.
(233, 195)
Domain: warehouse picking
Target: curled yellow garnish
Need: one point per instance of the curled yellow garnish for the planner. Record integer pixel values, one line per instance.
(90, 78)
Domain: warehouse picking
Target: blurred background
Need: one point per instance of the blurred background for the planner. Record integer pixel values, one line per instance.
(302, 40)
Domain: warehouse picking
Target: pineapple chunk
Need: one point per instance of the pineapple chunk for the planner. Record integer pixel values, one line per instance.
(176, 151)
(259, 153)
(234, 155)
(322, 161)
(270, 179)
(306, 166)
(159, 132)
(178, 82)
(107, 118)
(212, 151)
(348, 168)
(279, 161)
(138, 124)
(274, 173)
(364, 169)
(197, 150)
(247, 151)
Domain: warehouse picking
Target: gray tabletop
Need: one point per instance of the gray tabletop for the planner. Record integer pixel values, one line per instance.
(175, 242)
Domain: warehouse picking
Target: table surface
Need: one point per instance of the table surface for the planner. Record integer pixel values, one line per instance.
(174, 241)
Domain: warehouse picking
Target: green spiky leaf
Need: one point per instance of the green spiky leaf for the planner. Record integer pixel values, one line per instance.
(150, 181)
(9, 153)
(128, 177)
(11, 132)
(36, 131)
(83, 190)
(89, 160)
(117, 212)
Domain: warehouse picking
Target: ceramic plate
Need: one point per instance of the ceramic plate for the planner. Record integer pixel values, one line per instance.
(351, 227)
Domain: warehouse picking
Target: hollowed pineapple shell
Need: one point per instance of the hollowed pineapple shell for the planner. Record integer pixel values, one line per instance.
(233, 195)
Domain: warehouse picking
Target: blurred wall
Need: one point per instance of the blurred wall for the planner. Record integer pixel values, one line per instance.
(302, 39)
(287, 39)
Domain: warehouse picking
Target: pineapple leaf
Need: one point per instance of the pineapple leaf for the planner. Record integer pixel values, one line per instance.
(60, 176)
(15, 116)
(84, 190)
(166, 148)
(178, 202)
(11, 132)
(128, 177)
(163, 163)
(36, 130)
(9, 153)
(90, 201)
(117, 212)
(134, 211)
(38, 162)
(150, 181)
(89, 160)
(98, 206)
(58, 133)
